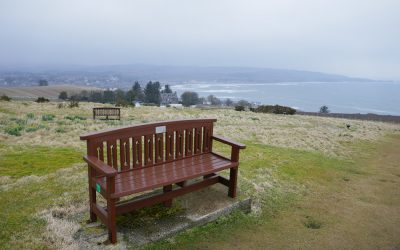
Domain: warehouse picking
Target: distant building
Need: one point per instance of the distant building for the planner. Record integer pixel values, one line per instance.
(255, 104)
(176, 105)
(169, 98)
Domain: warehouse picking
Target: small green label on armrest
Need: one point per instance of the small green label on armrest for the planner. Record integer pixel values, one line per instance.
(98, 187)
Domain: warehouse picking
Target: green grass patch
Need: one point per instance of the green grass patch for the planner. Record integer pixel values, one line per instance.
(75, 118)
(292, 164)
(21, 228)
(48, 117)
(33, 127)
(30, 116)
(14, 129)
(18, 161)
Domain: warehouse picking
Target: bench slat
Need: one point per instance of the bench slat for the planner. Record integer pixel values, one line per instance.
(140, 180)
(197, 140)
(169, 146)
(124, 156)
(148, 150)
(189, 142)
(164, 169)
(159, 148)
(207, 132)
(179, 136)
(137, 152)
(112, 154)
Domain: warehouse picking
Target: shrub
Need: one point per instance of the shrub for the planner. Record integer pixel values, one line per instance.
(30, 116)
(121, 103)
(239, 108)
(41, 100)
(61, 105)
(73, 104)
(14, 130)
(74, 117)
(60, 130)
(32, 128)
(189, 98)
(324, 109)
(275, 109)
(149, 104)
(48, 117)
(5, 98)
(243, 103)
(63, 95)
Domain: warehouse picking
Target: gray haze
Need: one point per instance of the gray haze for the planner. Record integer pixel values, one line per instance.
(359, 38)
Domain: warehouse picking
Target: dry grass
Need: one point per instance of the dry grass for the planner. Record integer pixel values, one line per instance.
(326, 135)
(302, 153)
(50, 92)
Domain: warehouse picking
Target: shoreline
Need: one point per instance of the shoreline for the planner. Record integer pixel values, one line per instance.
(355, 116)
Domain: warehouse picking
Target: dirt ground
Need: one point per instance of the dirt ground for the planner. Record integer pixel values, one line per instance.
(362, 212)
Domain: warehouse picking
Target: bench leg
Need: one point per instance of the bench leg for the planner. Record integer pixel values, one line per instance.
(112, 221)
(166, 189)
(92, 200)
(232, 182)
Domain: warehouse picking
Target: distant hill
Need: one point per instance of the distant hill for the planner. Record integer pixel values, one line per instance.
(49, 92)
(219, 74)
(123, 76)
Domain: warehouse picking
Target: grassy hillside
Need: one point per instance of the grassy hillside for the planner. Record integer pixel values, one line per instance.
(49, 92)
(312, 180)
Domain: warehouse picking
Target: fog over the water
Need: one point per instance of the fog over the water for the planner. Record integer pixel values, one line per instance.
(358, 38)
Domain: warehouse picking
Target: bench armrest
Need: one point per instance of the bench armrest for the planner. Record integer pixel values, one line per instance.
(100, 166)
(229, 142)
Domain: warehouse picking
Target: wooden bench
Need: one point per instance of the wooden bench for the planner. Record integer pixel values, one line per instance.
(130, 160)
(107, 113)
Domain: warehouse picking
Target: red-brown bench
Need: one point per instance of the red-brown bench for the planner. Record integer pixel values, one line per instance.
(107, 113)
(130, 160)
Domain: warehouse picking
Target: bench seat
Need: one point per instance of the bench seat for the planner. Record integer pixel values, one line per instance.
(143, 179)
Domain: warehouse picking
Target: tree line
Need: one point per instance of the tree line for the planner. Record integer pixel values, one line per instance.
(151, 94)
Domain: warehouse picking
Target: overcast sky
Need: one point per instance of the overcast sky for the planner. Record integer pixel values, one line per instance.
(350, 37)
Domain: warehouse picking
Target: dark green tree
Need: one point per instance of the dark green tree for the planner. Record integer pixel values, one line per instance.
(189, 98)
(5, 98)
(108, 96)
(120, 98)
(228, 102)
(167, 89)
(129, 96)
(214, 100)
(63, 95)
(96, 96)
(243, 103)
(324, 110)
(152, 92)
(42, 99)
(137, 92)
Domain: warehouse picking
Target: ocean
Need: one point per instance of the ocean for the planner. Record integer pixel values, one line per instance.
(340, 97)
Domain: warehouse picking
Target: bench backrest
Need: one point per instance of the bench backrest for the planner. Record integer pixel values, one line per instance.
(106, 112)
(151, 144)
